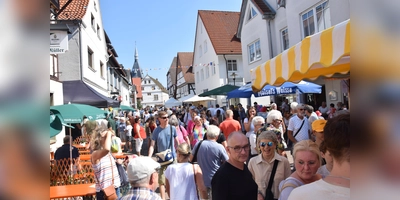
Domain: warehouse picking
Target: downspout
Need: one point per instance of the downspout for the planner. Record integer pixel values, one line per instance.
(270, 39)
(80, 50)
(227, 77)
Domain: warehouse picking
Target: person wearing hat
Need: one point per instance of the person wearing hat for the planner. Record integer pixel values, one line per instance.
(318, 130)
(143, 177)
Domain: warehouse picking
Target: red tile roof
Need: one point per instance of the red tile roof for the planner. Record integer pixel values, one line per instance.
(184, 61)
(75, 10)
(221, 27)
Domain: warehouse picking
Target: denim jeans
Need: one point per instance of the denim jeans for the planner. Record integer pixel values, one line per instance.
(100, 195)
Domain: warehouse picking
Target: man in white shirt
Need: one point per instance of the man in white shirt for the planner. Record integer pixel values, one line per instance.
(324, 109)
(298, 128)
(312, 116)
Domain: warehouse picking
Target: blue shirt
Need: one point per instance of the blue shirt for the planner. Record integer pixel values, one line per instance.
(141, 194)
(210, 157)
(121, 127)
(162, 137)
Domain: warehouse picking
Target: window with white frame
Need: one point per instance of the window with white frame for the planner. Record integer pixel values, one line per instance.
(200, 51)
(197, 76)
(90, 58)
(319, 14)
(156, 97)
(98, 31)
(205, 47)
(101, 69)
(252, 13)
(232, 65)
(92, 22)
(202, 74)
(207, 71)
(254, 51)
(285, 39)
(214, 70)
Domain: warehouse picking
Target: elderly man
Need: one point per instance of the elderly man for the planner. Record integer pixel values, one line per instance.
(311, 115)
(298, 128)
(233, 179)
(210, 156)
(63, 153)
(162, 134)
(229, 124)
(142, 175)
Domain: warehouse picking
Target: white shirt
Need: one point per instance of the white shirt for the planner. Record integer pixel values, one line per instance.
(129, 129)
(181, 180)
(294, 125)
(320, 190)
(253, 142)
(323, 110)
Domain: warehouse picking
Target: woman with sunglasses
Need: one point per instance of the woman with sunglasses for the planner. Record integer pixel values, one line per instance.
(275, 122)
(261, 165)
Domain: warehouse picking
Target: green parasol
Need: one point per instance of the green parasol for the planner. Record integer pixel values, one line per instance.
(73, 113)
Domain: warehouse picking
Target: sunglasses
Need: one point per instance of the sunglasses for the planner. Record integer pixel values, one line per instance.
(263, 144)
(301, 109)
(164, 117)
(262, 124)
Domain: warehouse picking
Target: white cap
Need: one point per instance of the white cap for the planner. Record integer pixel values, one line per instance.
(141, 167)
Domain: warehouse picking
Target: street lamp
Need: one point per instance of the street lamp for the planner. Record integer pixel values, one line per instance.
(234, 77)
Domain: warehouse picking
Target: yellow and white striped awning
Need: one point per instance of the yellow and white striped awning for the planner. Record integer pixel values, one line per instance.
(322, 54)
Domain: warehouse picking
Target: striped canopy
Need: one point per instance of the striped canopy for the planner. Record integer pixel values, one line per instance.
(322, 54)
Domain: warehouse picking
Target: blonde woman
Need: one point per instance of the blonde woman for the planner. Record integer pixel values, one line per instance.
(183, 179)
(103, 163)
(307, 160)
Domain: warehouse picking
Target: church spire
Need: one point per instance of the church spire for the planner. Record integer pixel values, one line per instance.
(136, 53)
(136, 71)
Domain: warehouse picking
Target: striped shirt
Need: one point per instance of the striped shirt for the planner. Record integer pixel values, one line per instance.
(103, 173)
(140, 193)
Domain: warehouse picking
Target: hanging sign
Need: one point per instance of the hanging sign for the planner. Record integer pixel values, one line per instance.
(58, 41)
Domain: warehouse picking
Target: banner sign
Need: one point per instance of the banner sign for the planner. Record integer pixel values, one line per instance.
(58, 41)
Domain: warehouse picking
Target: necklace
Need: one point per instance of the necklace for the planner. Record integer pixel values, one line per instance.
(346, 178)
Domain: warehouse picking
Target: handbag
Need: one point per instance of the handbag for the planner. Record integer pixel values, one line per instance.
(109, 192)
(290, 143)
(165, 157)
(268, 193)
(114, 145)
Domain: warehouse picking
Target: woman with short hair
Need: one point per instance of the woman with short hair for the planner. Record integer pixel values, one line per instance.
(180, 130)
(261, 165)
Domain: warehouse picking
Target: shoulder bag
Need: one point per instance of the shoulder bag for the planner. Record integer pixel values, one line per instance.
(268, 193)
(194, 160)
(166, 157)
(290, 143)
(109, 192)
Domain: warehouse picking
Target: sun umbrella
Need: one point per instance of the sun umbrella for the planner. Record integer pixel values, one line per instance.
(223, 90)
(56, 124)
(126, 108)
(73, 113)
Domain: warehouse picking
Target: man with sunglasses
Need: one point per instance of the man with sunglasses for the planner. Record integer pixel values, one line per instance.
(233, 179)
(162, 135)
(298, 128)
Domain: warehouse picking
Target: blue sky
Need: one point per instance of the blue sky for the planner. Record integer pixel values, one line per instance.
(160, 28)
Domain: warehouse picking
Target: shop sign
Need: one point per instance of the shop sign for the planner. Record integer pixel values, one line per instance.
(58, 42)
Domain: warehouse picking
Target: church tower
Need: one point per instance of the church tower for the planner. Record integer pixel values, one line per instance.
(136, 74)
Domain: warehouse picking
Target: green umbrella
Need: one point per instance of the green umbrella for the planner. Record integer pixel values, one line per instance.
(123, 107)
(56, 124)
(223, 90)
(73, 113)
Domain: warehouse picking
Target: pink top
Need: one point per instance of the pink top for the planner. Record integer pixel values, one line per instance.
(182, 133)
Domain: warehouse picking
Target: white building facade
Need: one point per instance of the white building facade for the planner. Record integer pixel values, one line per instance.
(154, 94)
(270, 27)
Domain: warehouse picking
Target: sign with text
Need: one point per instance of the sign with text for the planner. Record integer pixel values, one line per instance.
(58, 42)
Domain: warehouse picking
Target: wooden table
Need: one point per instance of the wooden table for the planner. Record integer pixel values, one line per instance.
(72, 190)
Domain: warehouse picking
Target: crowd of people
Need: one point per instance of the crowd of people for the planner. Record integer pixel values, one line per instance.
(233, 153)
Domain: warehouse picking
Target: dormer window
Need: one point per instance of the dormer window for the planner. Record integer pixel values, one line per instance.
(252, 13)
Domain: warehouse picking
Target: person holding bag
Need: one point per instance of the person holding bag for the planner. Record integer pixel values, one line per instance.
(268, 168)
(104, 167)
(165, 136)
